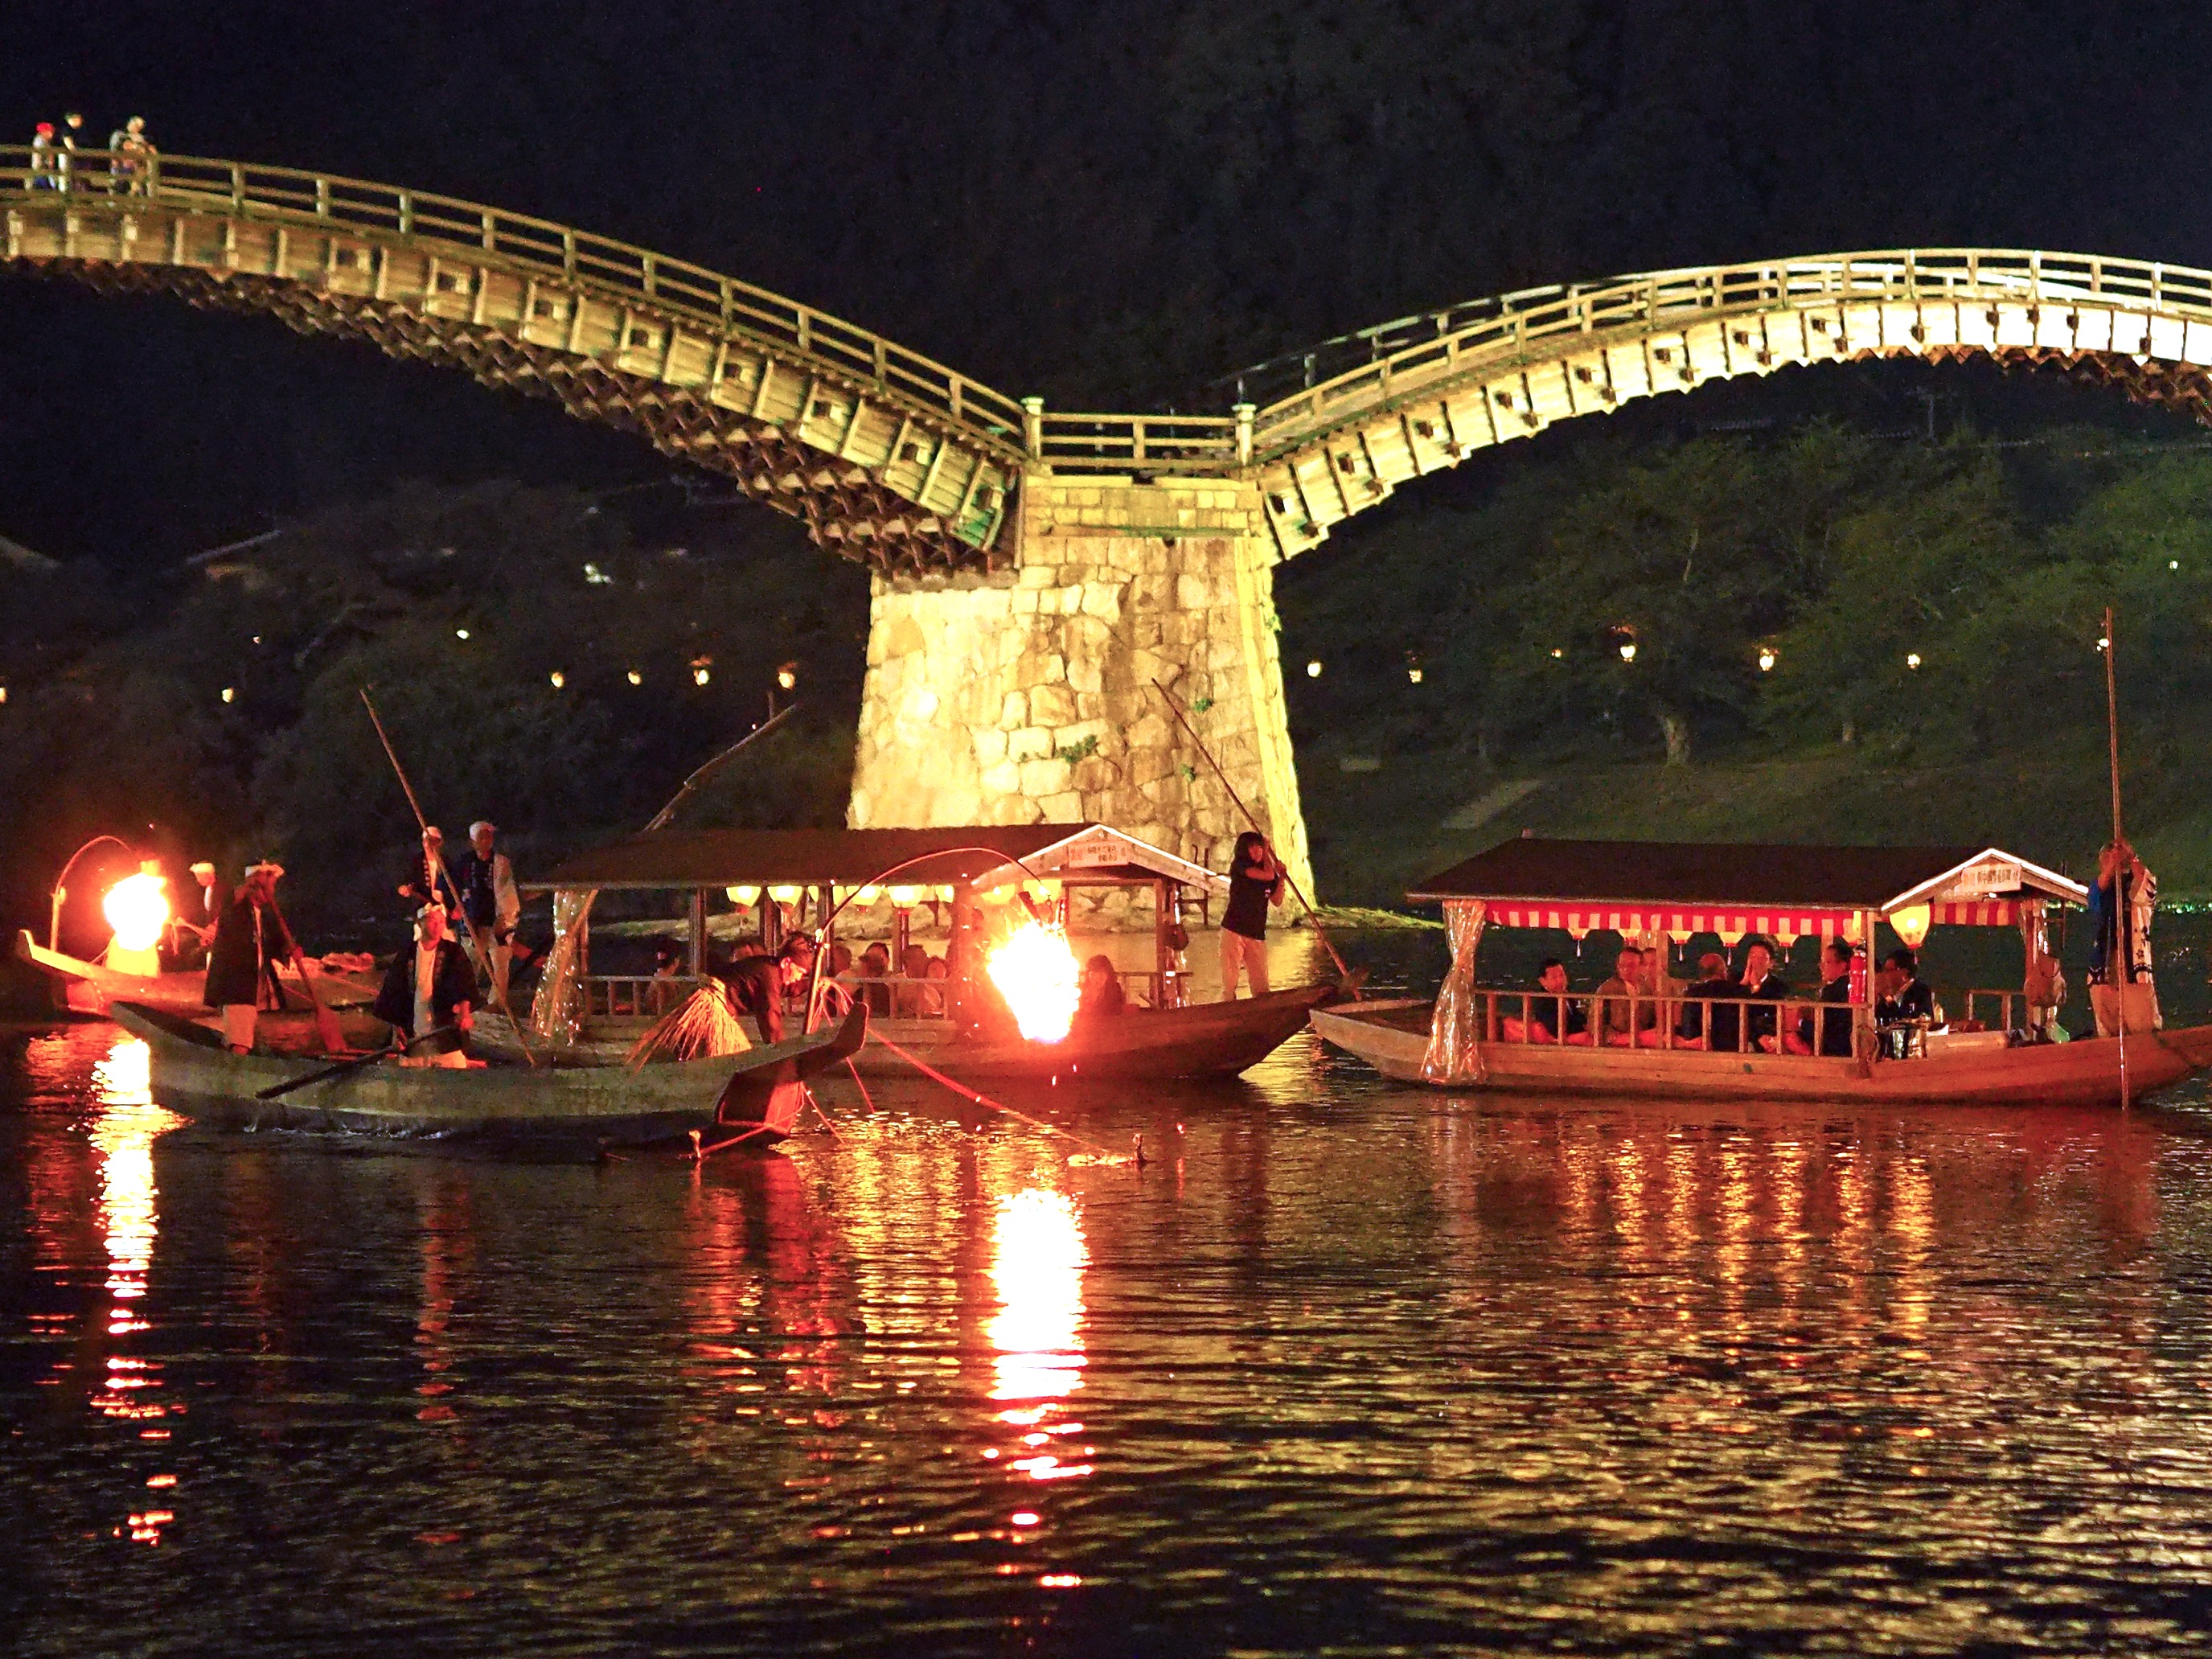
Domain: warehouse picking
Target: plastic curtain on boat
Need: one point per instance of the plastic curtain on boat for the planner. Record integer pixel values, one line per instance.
(557, 1012)
(1455, 1031)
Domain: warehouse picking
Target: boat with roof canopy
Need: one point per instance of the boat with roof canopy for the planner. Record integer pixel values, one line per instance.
(1658, 894)
(984, 881)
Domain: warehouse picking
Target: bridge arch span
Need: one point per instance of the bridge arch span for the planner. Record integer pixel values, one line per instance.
(1353, 419)
(889, 457)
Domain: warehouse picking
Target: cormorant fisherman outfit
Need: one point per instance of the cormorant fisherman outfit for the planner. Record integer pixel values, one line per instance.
(423, 990)
(249, 940)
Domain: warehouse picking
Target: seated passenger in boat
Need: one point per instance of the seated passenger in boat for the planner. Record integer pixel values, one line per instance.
(1713, 981)
(875, 963)
(1835, 1032)
(1103, 995)
(1621, 1007)
(1546, 1014)
(1762, 1026)
(1905, 1006)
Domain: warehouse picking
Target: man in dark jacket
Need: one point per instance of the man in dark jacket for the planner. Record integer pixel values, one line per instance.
(1714, 983)
(429, 988)
(249, 940)
(756, 985)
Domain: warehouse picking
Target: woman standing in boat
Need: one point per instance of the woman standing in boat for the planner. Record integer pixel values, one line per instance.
(1256, 881)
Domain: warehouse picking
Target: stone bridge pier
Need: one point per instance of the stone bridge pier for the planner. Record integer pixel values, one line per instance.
(1025, 695)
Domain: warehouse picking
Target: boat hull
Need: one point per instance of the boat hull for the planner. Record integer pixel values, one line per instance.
(86, 988)
(757, 1093)
(1393, 1038)
(1210, 1039)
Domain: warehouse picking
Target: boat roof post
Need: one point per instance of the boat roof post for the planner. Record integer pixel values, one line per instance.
(695, 922)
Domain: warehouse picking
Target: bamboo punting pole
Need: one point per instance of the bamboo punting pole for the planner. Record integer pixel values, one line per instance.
(479, 952)
(2120, 963)
(1320, 931)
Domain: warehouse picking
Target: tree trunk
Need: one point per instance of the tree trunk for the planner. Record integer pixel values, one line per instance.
(1676, 730)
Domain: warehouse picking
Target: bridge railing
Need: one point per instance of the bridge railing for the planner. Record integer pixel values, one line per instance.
(711, 302)
(1411, 350)
(1142, 443)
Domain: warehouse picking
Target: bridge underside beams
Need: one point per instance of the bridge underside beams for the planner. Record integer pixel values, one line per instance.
(872, 479)
(1308, 489)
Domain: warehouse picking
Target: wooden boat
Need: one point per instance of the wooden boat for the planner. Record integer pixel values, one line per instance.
(1199, 1040)
(1461, 1040)
(756, 1094)
(86, 988)
(972, 870)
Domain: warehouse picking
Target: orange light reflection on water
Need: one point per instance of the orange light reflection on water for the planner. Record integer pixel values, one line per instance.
(124, 1136)
(1037, 1258)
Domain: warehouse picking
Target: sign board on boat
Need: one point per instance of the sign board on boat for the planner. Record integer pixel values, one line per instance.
(1978, 880)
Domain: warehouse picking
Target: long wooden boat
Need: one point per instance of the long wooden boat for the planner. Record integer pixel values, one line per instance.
(86, 988)
(1393, 1037)
(1471, 1039)
(1201, 1039)
(757, 1093)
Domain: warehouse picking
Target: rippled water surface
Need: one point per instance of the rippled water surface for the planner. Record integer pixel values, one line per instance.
(1345, 1368)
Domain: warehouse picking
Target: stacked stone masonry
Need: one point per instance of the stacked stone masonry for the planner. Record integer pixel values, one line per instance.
(1026, 696)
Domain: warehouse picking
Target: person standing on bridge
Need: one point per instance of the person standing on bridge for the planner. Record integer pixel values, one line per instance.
(46, 159)
(132, 151)
(1256, 881)
(72, 125)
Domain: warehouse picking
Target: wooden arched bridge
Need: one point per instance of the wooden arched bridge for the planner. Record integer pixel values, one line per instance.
(1038, 572)
(895, 459)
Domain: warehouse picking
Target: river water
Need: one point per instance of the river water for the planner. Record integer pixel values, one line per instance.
(1345, 1368)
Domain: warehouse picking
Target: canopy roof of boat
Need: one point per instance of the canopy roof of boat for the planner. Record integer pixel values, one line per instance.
(1642, 874)
(851, 857)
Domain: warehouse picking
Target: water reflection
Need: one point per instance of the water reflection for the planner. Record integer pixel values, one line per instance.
(1037, 1258)
(124, 1135)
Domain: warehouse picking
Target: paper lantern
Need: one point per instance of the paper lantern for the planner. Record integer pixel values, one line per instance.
(904, 897)
(787, 893)
(744, 894)
(1911, 924)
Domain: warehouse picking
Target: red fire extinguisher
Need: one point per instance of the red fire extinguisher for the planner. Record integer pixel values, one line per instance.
(1858, 976)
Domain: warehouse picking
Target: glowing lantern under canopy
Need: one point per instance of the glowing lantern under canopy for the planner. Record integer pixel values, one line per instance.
(137, 910)
(1911, 924)
(1035, 972)
(786, 894)
(744, 894)
(904, 897)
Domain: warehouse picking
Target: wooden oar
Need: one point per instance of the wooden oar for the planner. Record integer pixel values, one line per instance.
(346, 1066)
(1320, 933)
(326, 1023)
(479, 953)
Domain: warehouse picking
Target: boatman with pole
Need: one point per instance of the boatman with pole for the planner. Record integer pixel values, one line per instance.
(249, 940)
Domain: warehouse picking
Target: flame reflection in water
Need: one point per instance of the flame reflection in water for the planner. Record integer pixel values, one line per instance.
(124, 1137)
(1037, 1259)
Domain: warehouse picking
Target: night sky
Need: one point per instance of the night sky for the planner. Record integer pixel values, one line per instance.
(1109, 205)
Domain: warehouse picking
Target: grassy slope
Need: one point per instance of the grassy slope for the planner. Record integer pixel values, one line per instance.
(1376, 833)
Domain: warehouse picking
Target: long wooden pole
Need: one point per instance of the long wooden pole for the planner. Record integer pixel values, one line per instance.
(1320, 933)
(478, 952)
(2120, 965)
(326, 1023)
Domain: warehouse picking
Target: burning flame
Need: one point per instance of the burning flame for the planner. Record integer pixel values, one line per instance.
(1035, 972)
(136, 908)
